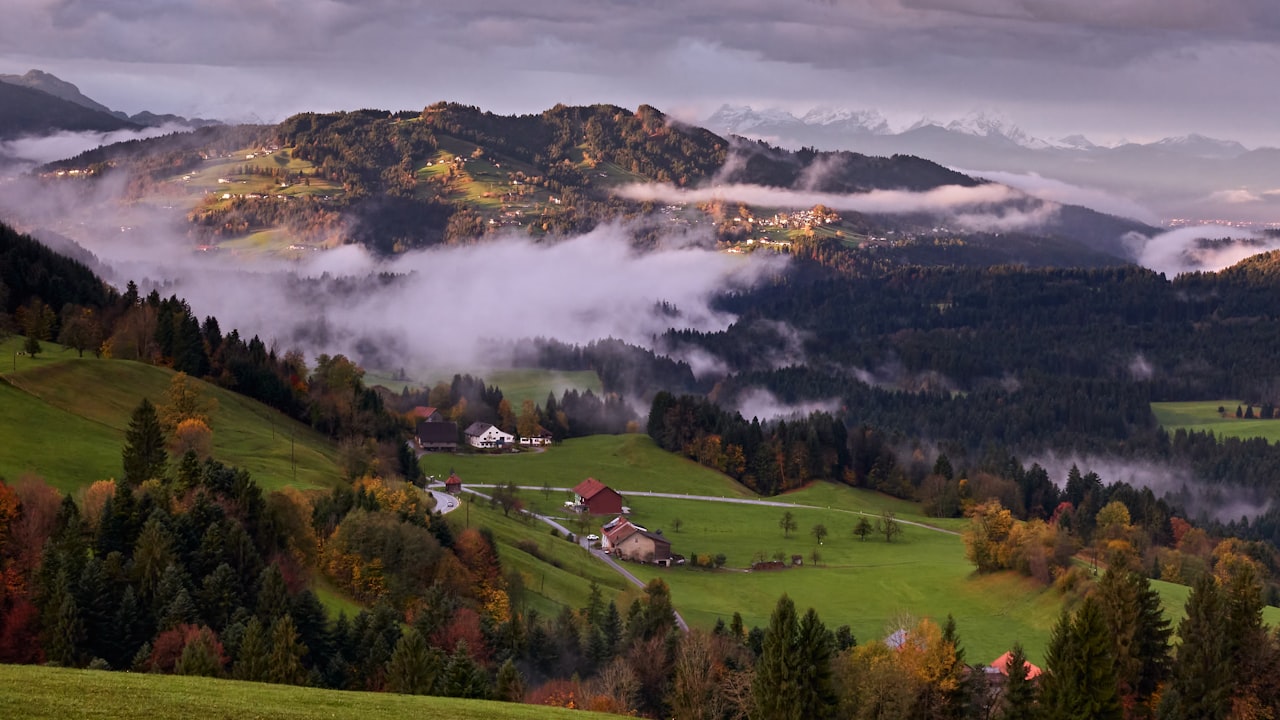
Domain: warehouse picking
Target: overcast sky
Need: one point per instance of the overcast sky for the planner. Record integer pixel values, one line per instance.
(1137, 69)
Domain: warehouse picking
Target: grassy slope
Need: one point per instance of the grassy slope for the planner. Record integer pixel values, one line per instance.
(73, 413)
(623, 462)
(38, 693)
(1203, 415)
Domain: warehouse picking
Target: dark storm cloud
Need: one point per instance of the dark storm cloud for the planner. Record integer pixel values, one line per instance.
(1056, 66)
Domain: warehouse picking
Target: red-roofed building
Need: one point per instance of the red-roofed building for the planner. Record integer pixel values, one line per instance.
(453, 484)
(628, 541)
(1001, 665)
(597, 498)
(428, 414)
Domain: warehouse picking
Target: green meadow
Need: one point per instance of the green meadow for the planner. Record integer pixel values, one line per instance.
(64, 418)
(1203, 415)
(47, 693)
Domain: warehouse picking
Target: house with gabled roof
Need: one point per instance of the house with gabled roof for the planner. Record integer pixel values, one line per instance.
(429, 414)
(628, 541)
(484, 436)
(437, 435)
(453, 484)
(597, 498)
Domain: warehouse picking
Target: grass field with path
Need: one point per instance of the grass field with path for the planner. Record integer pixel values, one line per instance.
(1203, 415)
(65, 418)
(45, 693)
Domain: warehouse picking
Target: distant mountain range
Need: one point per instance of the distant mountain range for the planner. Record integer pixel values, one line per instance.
(39, 103)
(1192, 175)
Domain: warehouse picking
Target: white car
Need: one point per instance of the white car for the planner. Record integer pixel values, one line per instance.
(593, 537)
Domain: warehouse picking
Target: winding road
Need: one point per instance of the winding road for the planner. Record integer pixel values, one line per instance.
(447, 503)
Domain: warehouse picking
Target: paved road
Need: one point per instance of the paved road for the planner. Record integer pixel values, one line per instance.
(744, 501)
(445, 502)
(584, 544)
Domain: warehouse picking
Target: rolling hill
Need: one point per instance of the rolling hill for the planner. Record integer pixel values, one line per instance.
(71, 414)
(27, 111)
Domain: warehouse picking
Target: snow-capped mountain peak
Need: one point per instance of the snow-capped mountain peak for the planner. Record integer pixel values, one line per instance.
(1202, 146)
(868, 121)
(744, 119)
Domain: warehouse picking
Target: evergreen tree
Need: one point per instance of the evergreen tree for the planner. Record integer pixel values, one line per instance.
(1019, 691)
(611, 630)
(273, 595)
(462, 677)
(414, 669)
(219, 596)
(1200, 686)
(201, 656)
(1140, 636)
(1080, 682)
(509, 686)
(65, 633)
(128, 631)
(253, 662)
(181, 610)
(793, 680)
(285, 661)
(144, 454)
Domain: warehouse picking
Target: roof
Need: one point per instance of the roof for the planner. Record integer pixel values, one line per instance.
(453, 479)
(423, 411)
(620, 529)
(590, 488)
(1001, 664)
(476, 429)
(656, 537)
(437, 432)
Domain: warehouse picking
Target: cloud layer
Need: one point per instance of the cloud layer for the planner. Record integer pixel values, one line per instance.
(1092, 66)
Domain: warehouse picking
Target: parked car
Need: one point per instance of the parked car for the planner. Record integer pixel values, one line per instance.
(593, 537)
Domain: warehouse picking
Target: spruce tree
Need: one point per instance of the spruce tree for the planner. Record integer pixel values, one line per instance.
(414, 669)
(200, 656)
(144, 454)
(509, 686)
(793, 675)
(1019, 691)
(253, 663)
(65, 634)
(284, 664)
(462, 677)
(1140, 636)
(273, 595)
(1200, 686)
(1080, 682)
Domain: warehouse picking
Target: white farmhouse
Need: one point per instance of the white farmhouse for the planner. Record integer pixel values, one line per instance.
(485, 436)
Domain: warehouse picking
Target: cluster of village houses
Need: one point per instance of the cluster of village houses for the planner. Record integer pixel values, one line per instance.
(628, 541)
(435, 433)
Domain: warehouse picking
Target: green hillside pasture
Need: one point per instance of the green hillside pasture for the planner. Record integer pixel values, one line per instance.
(623, 462)
(1203, 415)
(838, 496)
(68, 451)
(533, 384)
(868, 585)
(46, 693)
(1174, 598)
(547, 588)
(246, 434)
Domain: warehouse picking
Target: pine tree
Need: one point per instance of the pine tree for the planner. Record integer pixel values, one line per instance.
(128, 630)
(1019, 692)
(1200, 686)
(793, 675)
(1080, 680)
(1140, 636)
(200, 656)
(144, 454)
(462, 677)
(509, 686)
(65, 634)
(219, 596)
(253, 662)
(285, 662)
(181, 610)
(273, 595)
(414, 669)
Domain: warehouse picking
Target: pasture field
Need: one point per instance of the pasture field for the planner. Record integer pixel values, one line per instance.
(623, 462)
(547, 588)
(69, 415)
(535, 384)
(868, 584)
(1203, 415)
(47, 693)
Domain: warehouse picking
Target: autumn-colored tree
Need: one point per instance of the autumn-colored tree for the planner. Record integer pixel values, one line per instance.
(527, 421)
(989, 527)
(191, 435)
(202, 655)
(184, 401)
(506, 416)
(92, 501)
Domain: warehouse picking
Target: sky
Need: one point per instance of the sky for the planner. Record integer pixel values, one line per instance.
(1109, 69)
